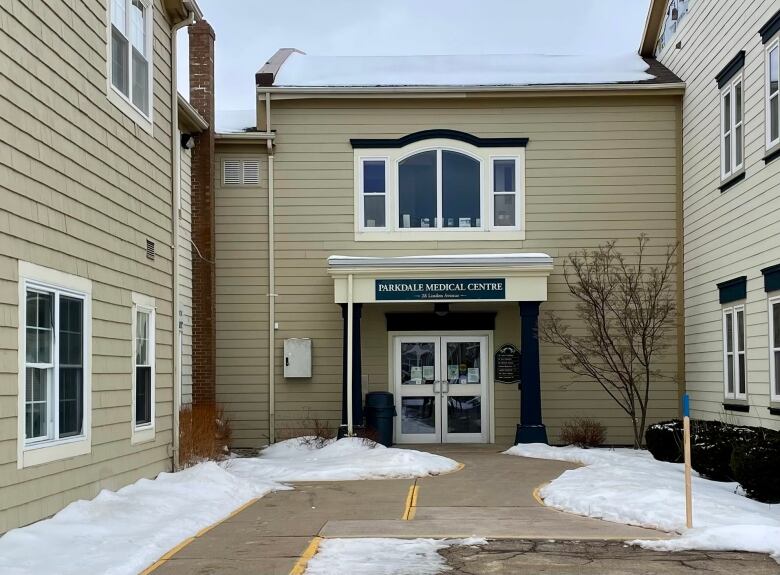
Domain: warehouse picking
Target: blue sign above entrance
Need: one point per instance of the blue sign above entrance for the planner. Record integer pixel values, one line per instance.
(467, 289)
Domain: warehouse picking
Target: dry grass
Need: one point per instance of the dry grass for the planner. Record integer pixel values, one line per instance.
(583, 432)
(204, 434)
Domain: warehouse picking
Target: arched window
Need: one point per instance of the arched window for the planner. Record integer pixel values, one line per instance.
(410, 191)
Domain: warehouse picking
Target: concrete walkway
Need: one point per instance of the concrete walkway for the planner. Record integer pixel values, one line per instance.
(492, 496)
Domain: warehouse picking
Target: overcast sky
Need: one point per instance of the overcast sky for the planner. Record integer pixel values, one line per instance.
(250, 31)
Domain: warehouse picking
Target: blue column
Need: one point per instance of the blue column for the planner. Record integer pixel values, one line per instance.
(531, 429)
(357, 378)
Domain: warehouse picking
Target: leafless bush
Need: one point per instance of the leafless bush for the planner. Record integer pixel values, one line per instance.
(583, 432)
(204, 434)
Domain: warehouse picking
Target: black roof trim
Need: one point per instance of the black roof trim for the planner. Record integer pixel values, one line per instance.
(360, 143)
(730, 69)
(771, 278)
(733, 290)
(771, 28)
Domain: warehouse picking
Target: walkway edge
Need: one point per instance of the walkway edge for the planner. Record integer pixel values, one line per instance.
(300, 565)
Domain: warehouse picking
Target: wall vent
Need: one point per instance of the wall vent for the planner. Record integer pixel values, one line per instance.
(239, 172)
(150, 249)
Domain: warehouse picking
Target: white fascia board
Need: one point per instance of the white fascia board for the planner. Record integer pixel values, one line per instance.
(513, 260)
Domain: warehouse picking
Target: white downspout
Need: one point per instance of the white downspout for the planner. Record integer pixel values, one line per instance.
(175, 206)
(271, 282)
(350, 312)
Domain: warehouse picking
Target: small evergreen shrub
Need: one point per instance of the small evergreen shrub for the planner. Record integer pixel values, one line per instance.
(664, 440)
(757, 467)
(583, 432)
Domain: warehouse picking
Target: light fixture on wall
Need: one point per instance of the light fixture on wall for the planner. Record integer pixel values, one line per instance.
(187, 141)
(441, 309)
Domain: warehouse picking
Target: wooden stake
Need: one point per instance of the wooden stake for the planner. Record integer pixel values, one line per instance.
(687, 452)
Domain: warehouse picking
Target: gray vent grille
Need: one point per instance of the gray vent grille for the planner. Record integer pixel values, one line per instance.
(150, 249)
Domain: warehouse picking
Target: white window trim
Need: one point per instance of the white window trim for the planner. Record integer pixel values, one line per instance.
(145, 432)
(124, 103)
(519, 185)
(736, 353)
(771, 45)
(728, 89)
(774, 386)
(41, 452)
(362, 196)
(393, 156)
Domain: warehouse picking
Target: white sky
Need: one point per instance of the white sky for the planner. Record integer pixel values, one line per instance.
(250, 31)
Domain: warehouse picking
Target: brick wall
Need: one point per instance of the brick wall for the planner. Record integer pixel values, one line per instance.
(201, 37)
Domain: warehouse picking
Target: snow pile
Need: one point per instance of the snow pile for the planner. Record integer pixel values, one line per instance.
(123, 532)
(383, 556)
(628, 486)
(461, 70)
(346, 459)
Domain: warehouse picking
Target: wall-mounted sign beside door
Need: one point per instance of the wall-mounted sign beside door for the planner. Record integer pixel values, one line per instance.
(507, 364)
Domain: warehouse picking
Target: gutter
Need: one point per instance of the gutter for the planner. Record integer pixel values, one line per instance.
(175, 207)
(271, 271)
(244, 137)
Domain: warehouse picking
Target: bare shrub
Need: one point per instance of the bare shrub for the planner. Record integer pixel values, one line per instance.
(204, 434)
(312, 432)
(583, 432)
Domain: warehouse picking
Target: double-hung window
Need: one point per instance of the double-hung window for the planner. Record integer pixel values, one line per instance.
(732, 137)
(438, 190)
(143, 368)
(774, 348)
(734, 360)
(131, 53)
(772, 92)
(54, 365)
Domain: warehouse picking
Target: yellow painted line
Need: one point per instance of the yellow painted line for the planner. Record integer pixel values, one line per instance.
(537, 493)
(413, 508)
(300, 566)
(408, 504)
(189, 540)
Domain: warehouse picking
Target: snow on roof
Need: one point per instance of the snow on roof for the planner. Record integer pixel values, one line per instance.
(235, 121)
(301, 70)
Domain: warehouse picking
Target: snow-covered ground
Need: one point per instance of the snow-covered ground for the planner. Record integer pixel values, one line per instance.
(123, 532)
(628, 486)
(383, 556)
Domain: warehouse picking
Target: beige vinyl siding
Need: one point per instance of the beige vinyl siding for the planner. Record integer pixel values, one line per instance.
(186, 253)
(82, 188)
(736, 232)
(596, 169)
(241, 240)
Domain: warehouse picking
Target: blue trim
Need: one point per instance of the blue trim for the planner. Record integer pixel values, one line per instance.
(771, 278)
(531, 428)
(733, 289)
(686, 405)
(363, 143)
(771, 28)
(731, 69)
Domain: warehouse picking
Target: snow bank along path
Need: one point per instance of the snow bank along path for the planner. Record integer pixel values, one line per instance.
(123, 532)
(629, 486)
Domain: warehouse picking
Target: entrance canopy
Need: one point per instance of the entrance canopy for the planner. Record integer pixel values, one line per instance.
(440, 278)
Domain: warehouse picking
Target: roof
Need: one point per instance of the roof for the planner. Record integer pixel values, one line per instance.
(235, 121)
(189, 118)
(653, 23)
(291, 69)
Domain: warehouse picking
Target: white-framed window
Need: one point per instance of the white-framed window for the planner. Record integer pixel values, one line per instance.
(373, 193)
(54, 365)
(732, 133)
(144, 354)
(439, 189)
(774, 347)
(734, 358)
(130, 65)
(772, 92)
(240, 172)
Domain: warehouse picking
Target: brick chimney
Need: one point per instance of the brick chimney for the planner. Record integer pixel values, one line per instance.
(204, 340)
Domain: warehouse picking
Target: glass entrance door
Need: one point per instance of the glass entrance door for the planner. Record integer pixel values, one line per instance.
(440, 387)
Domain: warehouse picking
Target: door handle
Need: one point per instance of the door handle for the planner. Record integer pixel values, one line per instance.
(445, 386)
(436, 383)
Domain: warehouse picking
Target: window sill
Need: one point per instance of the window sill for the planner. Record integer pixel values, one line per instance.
(129, 110)
(49, 452)
(439, 236)
(732, 181)
(772, 154)
(141, 435)
(774, 410)
(730, 405)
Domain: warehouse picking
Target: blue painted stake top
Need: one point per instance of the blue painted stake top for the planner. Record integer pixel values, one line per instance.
(686, 405)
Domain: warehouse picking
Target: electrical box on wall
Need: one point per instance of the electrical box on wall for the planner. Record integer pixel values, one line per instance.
(297, 357)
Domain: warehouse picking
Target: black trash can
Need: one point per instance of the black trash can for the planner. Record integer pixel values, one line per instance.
(380, 410)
